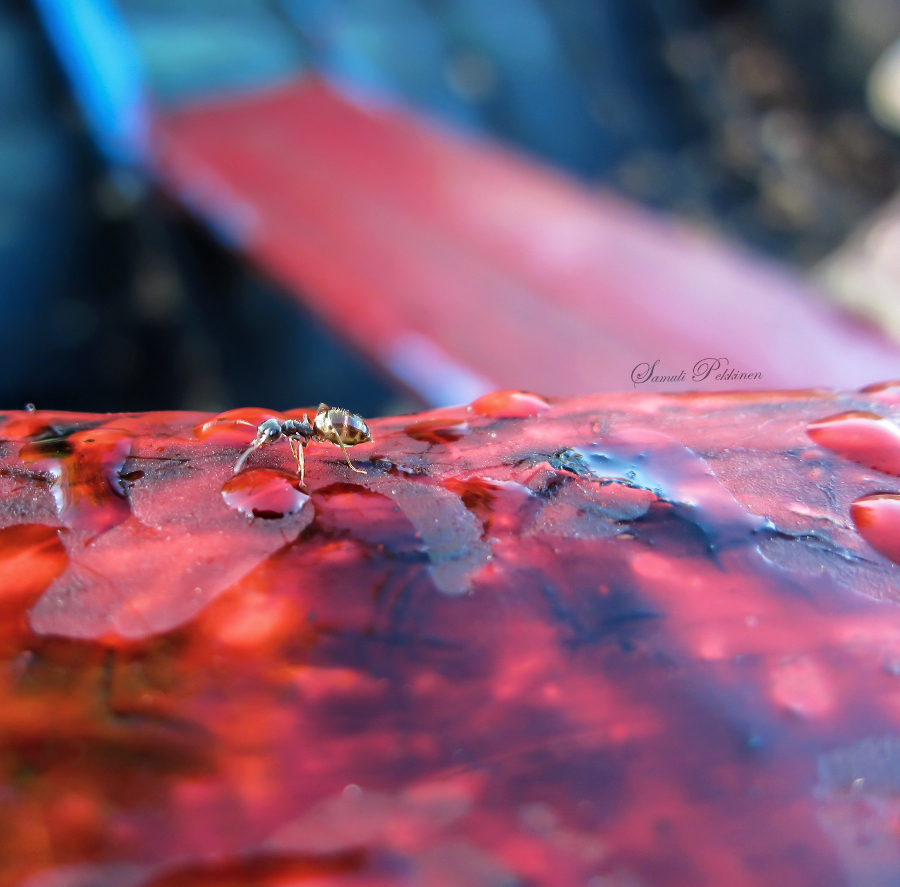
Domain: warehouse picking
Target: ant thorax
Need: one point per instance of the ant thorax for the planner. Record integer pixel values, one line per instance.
(299, 429)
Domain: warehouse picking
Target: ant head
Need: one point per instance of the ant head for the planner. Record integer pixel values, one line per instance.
(268, 431)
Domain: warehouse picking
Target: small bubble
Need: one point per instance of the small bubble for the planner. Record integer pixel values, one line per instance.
(352, 792)
(538, 818)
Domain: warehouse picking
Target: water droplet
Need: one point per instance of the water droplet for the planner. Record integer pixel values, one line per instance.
(85, 467)
(234, 426)
(453, 544)
(30, 408)
(510, 405)
(437, 431)
(264, 493)
(570, 460)
(877, 519)
(31, 426)
(650, 460)
(886, 392)
(865, 438)
(501, 505)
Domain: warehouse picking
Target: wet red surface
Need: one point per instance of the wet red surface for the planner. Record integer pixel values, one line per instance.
(623, 640)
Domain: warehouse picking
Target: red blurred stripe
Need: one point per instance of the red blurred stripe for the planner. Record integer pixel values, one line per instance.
(460, 266)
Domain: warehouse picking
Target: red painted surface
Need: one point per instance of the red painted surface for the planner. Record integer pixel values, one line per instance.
(463, 268)
(627, 640)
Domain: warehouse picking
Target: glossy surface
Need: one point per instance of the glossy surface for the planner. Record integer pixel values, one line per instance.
(632, 640)
(868, 438)
(264, 493)
(877, 518)
(510, 405)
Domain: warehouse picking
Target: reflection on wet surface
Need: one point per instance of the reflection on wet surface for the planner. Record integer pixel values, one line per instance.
(617, 640)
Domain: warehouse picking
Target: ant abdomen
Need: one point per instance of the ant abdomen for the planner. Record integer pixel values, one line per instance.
(340, 427)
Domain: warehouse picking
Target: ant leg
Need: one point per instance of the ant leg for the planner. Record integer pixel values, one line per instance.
(347, 456)
(254, 446)
(266, 432)
(211, 422)
(297, 450)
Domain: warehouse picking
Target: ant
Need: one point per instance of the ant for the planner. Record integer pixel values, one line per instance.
(331, 425)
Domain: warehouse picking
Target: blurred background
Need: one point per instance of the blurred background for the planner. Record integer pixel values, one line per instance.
(765, 125)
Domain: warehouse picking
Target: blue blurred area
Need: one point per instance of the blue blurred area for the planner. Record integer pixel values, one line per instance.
(745, 116)
(203, 49)
(494, 67)
(105, 73)
(505, 67)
